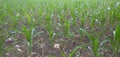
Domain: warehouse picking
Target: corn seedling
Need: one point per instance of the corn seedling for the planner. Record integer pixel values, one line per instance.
(62, 53)
(67, 28)
(49, 27)
(2, 40)
(115, 46)
(70, 14)
(50, 56)
(71, 54)
(29, 36)
(94, 41)
(29, 33)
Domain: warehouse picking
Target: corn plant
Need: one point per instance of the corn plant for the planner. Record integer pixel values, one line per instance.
(29, 33)
(115, 46)
(29, 36)
(49, 27)
(71, 54)
(66, 28)
(50, 56)
(94, 41)
(11, 11)
(2, 40)
(50, 31)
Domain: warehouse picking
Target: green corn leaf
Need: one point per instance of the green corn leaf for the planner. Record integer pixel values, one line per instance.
(62, 53)
(94, 41)
(104, 41)
(117, 37)
(50, 56)
(72, 54)
(95, 46)
(1, 45)
(117, 33)
(90, 37)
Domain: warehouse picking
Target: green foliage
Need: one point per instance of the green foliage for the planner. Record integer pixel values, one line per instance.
(70, 14)
(115, 46)
(28, 33)
(50, 56)
(67, 28)
(94, 41)
(62, 53)
(2, 40)
(50, 27)
(117, 37)
(72, 54)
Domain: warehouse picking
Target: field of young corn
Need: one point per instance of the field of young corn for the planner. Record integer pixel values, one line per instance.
(59, 28)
